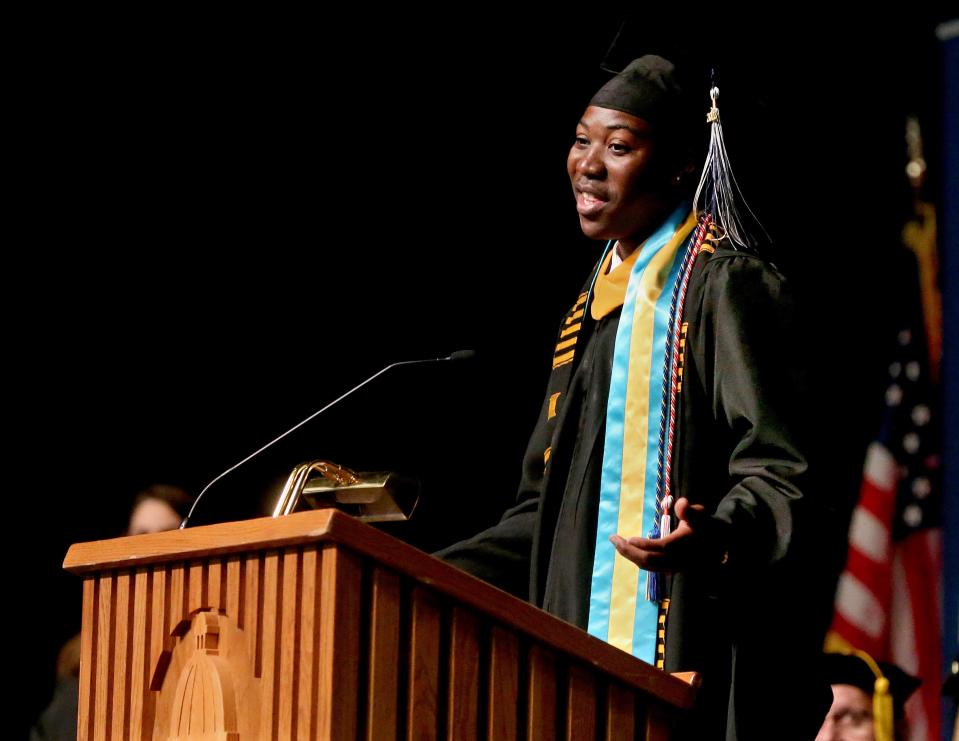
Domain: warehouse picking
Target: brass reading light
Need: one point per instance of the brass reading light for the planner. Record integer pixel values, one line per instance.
(379, 496)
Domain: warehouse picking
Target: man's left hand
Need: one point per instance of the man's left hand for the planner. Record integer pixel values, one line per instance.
(691, 543)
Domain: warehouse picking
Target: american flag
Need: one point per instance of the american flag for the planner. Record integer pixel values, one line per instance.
(888, 602)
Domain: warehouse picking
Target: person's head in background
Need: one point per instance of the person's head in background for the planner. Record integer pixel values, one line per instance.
(868, 699)
(157, 508)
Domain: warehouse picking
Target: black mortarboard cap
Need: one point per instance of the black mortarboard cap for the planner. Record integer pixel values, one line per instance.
(697, 63)
(841, 668)
(657, 80)
(649, 88)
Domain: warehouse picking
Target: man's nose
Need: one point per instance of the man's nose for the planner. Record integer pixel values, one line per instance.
(591, 162)
(828, 732)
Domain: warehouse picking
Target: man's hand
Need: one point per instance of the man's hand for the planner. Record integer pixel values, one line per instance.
(691, 543)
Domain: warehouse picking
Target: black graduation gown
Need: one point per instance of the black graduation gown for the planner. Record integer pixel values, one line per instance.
(753, 623)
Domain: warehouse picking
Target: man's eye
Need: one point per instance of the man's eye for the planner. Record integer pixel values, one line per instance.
(619, 148)
(581, 140)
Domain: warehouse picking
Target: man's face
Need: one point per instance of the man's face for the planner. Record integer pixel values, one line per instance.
(615, 165)
(850, 717)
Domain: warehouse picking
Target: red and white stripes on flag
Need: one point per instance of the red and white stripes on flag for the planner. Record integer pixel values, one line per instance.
(888, 599)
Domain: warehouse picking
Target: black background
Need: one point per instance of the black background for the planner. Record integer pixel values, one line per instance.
(226, 220)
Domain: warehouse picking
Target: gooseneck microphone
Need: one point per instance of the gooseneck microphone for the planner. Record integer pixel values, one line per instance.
(455, 356)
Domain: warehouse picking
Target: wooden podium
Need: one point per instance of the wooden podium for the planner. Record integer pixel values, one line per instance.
(317, 626)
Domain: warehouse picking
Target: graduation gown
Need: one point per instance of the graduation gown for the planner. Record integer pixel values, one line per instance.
(751, 622)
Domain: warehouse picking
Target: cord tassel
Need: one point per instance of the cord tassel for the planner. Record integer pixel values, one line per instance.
(656, 582)
(718, 193)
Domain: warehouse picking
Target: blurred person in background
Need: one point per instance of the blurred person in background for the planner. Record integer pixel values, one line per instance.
(157, 508)
(868, 699)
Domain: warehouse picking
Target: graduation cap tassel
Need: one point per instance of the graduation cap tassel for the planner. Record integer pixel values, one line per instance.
(718, 193)
(882, 708)
(882, 711)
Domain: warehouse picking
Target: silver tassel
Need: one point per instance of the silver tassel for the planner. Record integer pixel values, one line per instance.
(718, 193)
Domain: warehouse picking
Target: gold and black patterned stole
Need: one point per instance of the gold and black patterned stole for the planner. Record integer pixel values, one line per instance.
(574, 330)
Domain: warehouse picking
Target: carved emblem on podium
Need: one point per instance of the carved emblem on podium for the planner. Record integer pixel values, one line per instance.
(202, 678)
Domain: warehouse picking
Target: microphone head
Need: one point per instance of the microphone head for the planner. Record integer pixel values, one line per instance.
(462, 355)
